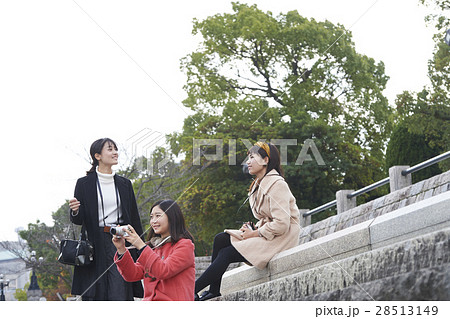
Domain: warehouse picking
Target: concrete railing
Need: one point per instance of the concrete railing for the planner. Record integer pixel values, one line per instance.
(399, 178)
(407, 196)
(404, 223)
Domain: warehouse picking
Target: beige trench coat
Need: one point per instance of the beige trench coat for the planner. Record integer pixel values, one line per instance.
(274, 206)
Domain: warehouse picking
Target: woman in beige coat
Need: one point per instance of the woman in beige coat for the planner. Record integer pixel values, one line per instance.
(278, 228)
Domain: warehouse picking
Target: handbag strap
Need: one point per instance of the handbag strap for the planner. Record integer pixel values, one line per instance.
(83, 232)
(70, 230)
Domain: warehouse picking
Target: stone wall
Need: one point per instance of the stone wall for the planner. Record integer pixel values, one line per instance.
(402, 243)
(203, 262)
(415, 269)
(363, 253)
(380, 206)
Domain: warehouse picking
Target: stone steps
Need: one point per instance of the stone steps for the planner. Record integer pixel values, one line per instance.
(415, 269)
(429, 284)
(203, 262)
(405, 242)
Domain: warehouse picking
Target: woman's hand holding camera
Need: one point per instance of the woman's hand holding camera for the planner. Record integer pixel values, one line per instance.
(119, 242)
(133, 238)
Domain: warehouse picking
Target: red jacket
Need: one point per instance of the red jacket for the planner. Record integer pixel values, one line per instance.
(168, 271)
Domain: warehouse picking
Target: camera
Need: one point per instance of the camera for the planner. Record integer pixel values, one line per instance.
(119, 231)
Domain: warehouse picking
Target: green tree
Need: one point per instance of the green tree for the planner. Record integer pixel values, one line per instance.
(21, 294)
(256, 76)
(428, 112)
(155, 178)
(406, 148)
(52, 276)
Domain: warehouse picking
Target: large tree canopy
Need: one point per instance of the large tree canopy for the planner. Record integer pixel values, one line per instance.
(259, 76)
(297, 64)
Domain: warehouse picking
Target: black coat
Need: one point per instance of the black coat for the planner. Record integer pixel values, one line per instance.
(86, 193)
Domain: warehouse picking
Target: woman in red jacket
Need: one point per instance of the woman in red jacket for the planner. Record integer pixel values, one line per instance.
(167, 263)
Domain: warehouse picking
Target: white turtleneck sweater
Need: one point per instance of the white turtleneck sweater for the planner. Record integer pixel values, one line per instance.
(109, 200)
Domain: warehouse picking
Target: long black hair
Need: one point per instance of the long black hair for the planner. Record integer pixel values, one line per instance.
(96, 148)
(177, 225)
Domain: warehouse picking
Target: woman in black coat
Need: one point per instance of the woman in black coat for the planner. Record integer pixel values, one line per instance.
(102, 200)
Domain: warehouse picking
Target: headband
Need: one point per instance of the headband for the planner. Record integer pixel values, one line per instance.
(264, 146)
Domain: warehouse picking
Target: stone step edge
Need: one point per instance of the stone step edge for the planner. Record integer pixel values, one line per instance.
(407, 222)
(302, 278)
(427, 284)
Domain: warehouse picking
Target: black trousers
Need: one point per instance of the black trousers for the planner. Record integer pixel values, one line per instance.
(222, 256)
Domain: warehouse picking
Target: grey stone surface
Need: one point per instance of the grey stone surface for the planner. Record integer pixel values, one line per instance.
(417, 188)
(397, 180)
(405, 223)
(203, 262)
(378, 207)
(429, 284)
(379, 202)
(380, 274)
(411, 219)
(343, 203)
(324, 250)
(242, 277)
(304, 221)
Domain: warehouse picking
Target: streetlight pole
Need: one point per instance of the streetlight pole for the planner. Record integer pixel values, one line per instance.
(34, 293)
(3, 285)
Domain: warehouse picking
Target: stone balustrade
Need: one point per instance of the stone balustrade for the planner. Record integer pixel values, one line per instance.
(380, 206)
(418, 219)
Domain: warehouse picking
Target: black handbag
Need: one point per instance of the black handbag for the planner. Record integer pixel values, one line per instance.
(76, 252)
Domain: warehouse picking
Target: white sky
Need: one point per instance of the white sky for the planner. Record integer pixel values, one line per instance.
(64, 82)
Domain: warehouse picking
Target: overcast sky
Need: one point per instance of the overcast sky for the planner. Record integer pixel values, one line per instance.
(75, 71)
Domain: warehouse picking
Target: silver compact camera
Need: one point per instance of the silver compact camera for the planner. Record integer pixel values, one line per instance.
(119, 231)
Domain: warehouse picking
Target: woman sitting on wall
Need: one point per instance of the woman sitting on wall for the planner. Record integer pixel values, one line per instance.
(278, 228)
